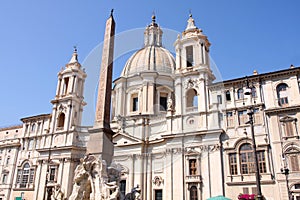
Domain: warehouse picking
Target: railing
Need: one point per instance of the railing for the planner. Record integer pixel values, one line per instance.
(191, 109)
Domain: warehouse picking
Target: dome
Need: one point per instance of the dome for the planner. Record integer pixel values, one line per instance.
(150, 59)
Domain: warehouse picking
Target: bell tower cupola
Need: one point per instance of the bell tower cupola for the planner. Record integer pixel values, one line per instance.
(192, 48)
(68, 102)
(153, 34)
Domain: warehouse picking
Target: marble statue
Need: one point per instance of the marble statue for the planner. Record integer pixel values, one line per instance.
(93, 180)
(57, 193)
(135, 194)
(170, 104)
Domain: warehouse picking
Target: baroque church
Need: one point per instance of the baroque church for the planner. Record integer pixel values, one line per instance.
(176, 133)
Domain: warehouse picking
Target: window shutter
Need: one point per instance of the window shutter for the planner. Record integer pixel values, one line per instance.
(289, 129)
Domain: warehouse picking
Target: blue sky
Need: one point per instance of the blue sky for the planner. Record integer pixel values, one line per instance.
(37, 39)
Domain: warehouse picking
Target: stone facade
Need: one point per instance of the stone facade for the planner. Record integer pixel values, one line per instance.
(177, 133)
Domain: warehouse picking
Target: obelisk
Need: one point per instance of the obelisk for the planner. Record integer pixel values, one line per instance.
(100, 141)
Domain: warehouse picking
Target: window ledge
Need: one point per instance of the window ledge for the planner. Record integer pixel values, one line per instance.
(264, 182)
(230, 127)
(244, 125)
(23, 189)
(244, 179)
(290, 137)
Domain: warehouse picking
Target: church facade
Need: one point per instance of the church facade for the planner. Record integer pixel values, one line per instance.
(177, 133)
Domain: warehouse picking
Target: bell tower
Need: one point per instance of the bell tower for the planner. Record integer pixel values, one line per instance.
(193, 72)
(68, 102)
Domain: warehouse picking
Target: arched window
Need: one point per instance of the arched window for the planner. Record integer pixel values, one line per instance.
(32, 127)
(253, 92)
(191, 98)
(193, 193)
(61, 120)
(227, 94)
(240, 93)
(25, 176)
(282, 94)
(189, 56)
(247, 159)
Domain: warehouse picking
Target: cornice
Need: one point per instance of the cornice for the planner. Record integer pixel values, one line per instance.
(282, 109)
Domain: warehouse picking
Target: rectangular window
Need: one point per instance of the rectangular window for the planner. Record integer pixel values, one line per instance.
(243, 117)
(193, 166)
(294, 163)
(38, 127)
(261, 162)
(232, 164)
(30, 144)
(31, 177)
(26, 128)
(52, 174)
(219, 98)
(245, 190)
(189, 56)
(158, 194)
(289, 131)
(4, 178)
(257, 116)
(163, 103)
(19, 174)
(123, 187)
(254, 190)
(135, 104)
(66, 80)
(230, 119)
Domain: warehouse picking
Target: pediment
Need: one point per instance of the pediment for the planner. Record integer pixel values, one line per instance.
(192, 151)
(125, 139)
(287, 119)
